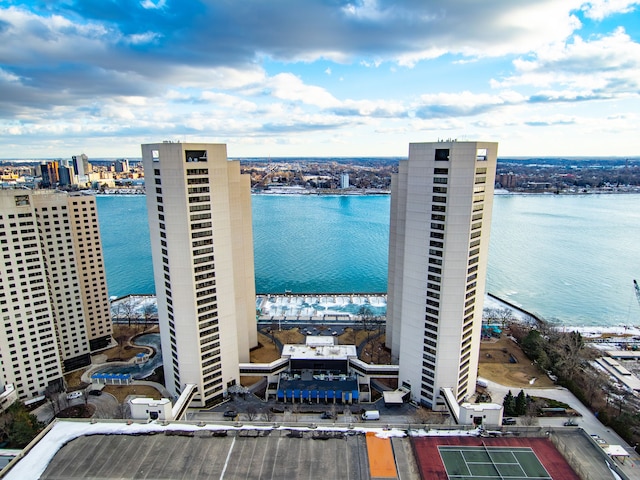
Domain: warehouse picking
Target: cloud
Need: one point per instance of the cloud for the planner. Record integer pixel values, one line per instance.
(371, 108)
(600, 9)
(220, 69)
(286, 86)
(605, 66)
(463, 104)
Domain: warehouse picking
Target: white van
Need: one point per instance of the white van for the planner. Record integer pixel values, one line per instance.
(371, 415)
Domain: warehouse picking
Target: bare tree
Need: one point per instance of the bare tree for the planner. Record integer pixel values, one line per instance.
(531, 416)
(490, 315)
(251, 413)
(147, 311)
(116, 310)
(128, 309)
(268, 414)
(505, 316)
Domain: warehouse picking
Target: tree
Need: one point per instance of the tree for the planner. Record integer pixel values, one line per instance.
(148, 310)
(567, 351)
(509, 404)
(521, 403)
(128, 309)
(533, 344)
(490, 315)
(268, 414)
(21, 426)
(251, 413)
(505, 316)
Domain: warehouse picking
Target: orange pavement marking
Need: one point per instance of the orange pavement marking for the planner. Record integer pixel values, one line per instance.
(381, 461)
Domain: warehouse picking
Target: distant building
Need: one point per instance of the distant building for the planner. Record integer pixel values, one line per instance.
(441, 203)
(49, 173)
(53, 290)
(507, 180)
(65, 175)
(121, 165)
(82, 167)
(344, 180)
(202, 247)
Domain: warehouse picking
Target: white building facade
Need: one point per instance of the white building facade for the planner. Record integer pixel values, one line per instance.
(53, 293)
(441, 204)
(199, 208)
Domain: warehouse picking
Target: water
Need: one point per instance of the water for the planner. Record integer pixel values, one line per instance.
(143, 370)
(311, 244)
(569, 258)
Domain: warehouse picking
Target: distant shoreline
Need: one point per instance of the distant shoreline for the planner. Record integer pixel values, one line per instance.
(346, 193)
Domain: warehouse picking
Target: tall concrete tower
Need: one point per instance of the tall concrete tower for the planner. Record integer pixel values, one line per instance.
(441, 203)
(53, 292)
(199, 208)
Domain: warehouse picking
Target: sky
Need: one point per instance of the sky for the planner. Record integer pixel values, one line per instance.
(311, 78)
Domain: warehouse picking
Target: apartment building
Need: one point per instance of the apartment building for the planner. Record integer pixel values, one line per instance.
(199, 208)
(441, 204)
(53, 294)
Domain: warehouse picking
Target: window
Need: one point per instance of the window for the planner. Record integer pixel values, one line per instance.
(22, 200)
(442, 155)
(195, 156)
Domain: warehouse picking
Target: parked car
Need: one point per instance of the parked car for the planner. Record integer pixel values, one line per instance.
(508, 421)
(230, 414)
(570, 423)
(95, 393)
(72, 395)
(327, 416)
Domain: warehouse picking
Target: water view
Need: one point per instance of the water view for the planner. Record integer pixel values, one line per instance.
(569, 258)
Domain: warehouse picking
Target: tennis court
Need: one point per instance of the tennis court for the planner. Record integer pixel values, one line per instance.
(491, 463)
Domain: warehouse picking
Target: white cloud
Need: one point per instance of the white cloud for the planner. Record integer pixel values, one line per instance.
(600, 9)
(150, 5)
(287, 86)
(142, 38)
(606, 65)
(6, 76)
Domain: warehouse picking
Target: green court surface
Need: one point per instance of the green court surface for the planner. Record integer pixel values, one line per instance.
(492, 463)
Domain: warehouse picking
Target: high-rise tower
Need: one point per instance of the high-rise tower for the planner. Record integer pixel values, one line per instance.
(441, 203)
(53, 294)
(199, 208)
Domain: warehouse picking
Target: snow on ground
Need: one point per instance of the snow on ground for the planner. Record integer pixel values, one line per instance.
(292, 306)
(34, 463)
(331, 305)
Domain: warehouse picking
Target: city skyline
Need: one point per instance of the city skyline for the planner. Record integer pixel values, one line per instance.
(343, 79)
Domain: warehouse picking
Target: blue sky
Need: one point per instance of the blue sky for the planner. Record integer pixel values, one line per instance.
(319, 78)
